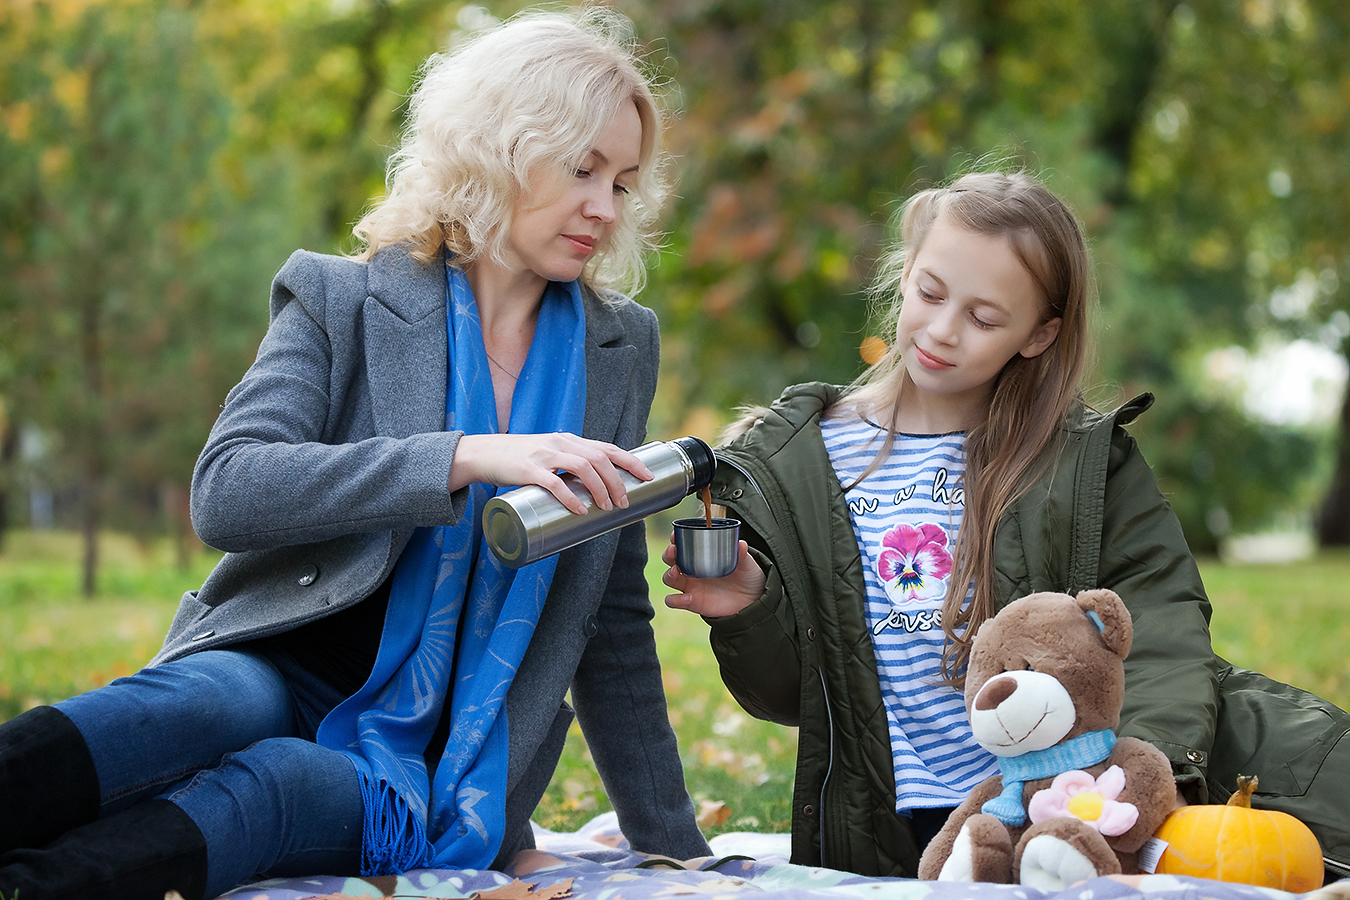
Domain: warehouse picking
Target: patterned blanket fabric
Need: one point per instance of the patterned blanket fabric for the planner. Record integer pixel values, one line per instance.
(595, 863)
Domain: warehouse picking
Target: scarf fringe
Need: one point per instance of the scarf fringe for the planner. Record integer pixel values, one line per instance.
(393, 840)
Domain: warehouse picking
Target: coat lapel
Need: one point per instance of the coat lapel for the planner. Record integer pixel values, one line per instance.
(406, 344)
(608, 368)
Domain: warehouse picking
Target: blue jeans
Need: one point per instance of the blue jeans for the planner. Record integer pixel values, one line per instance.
(228, 736)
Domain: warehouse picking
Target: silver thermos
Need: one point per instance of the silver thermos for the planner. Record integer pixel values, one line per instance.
(529, 523)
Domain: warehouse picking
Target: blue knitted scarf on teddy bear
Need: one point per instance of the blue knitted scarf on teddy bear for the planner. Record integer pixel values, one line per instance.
(1076, 753)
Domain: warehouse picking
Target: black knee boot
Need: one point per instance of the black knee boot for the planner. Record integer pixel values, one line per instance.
(139, 854)
(47, 779)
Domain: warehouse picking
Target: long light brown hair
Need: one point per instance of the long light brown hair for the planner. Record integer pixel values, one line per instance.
(1032, 397)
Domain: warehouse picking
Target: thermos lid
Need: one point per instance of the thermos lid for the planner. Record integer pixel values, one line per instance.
(701, 458)
(507, 532)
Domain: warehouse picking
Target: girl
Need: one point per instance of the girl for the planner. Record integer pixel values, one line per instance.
(359, 686)
(887, 520)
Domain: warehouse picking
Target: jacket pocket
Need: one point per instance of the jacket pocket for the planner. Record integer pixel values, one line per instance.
(1295, 743)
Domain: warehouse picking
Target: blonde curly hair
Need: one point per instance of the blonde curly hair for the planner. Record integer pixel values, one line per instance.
(511, 109)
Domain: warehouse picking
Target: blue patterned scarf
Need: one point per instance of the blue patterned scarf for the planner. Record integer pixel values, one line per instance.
(1076, 753)
(458, 623)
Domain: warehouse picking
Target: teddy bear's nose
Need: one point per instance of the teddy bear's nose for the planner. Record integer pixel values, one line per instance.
(994, 692)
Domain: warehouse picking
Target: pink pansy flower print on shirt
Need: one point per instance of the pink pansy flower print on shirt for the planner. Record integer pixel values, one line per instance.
(1078, 795)
(914, 563)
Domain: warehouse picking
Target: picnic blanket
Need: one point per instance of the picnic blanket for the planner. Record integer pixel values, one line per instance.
(596, 863)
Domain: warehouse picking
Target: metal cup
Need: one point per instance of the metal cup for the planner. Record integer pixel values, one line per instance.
(703, 552)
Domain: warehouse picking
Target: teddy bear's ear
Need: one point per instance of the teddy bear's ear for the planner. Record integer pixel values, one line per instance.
(981, 627)
(1111, 617)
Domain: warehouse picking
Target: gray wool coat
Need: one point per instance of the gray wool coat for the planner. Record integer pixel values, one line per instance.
(331, 451)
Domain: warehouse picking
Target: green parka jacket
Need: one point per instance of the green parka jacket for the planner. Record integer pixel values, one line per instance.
(802, 654)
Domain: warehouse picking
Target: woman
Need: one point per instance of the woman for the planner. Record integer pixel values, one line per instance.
(296, 718)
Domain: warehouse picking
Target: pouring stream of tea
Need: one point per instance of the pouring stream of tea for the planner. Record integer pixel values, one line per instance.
(706, 496)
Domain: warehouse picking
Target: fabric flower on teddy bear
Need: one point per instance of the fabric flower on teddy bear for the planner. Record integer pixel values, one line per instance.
(1044, 690)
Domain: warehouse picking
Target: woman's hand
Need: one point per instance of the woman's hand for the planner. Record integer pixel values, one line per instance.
(521, 459)
(714, 597)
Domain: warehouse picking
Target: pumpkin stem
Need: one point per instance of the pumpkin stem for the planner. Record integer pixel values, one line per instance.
(1245, 785)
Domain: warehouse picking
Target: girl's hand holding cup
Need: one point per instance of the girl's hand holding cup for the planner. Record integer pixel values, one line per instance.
(712, 597)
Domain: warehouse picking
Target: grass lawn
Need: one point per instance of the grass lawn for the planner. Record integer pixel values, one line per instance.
(1289, 621)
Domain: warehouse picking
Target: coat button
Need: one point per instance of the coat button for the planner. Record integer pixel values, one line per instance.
(203, 636)
(308, 575)
(1195, 756)
(590, 627)
(810, 634)
(736, 494)
(808, 810)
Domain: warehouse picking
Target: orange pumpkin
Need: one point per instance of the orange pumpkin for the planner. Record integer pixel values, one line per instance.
(1239, 844)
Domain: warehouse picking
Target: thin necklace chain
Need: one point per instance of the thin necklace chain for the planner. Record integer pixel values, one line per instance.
(493, 360)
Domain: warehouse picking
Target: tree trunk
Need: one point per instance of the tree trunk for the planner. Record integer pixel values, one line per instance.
(174, 502)
(367, 49)
(89, 519)
(92, 433)
(1333, 525)
(93, 452)
(9, 450)
(1138, 56)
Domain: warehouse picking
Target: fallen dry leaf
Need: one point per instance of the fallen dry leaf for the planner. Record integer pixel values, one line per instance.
(712, 812)
(555, 891)
(516, 890)
(522, 890)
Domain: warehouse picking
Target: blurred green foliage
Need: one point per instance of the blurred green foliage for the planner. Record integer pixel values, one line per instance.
(159, 159)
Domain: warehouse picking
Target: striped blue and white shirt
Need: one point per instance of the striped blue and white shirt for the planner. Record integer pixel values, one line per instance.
(906, 515)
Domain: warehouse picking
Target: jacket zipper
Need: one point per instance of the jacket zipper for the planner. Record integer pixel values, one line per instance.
(825, 843)
(788, 527)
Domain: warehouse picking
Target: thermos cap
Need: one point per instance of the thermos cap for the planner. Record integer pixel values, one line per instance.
(701, 458)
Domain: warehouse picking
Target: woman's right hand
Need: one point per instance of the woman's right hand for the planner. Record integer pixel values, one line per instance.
(521, 459)
(714, 597)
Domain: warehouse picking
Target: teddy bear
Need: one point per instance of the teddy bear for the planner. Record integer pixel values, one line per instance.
(1044, 690)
